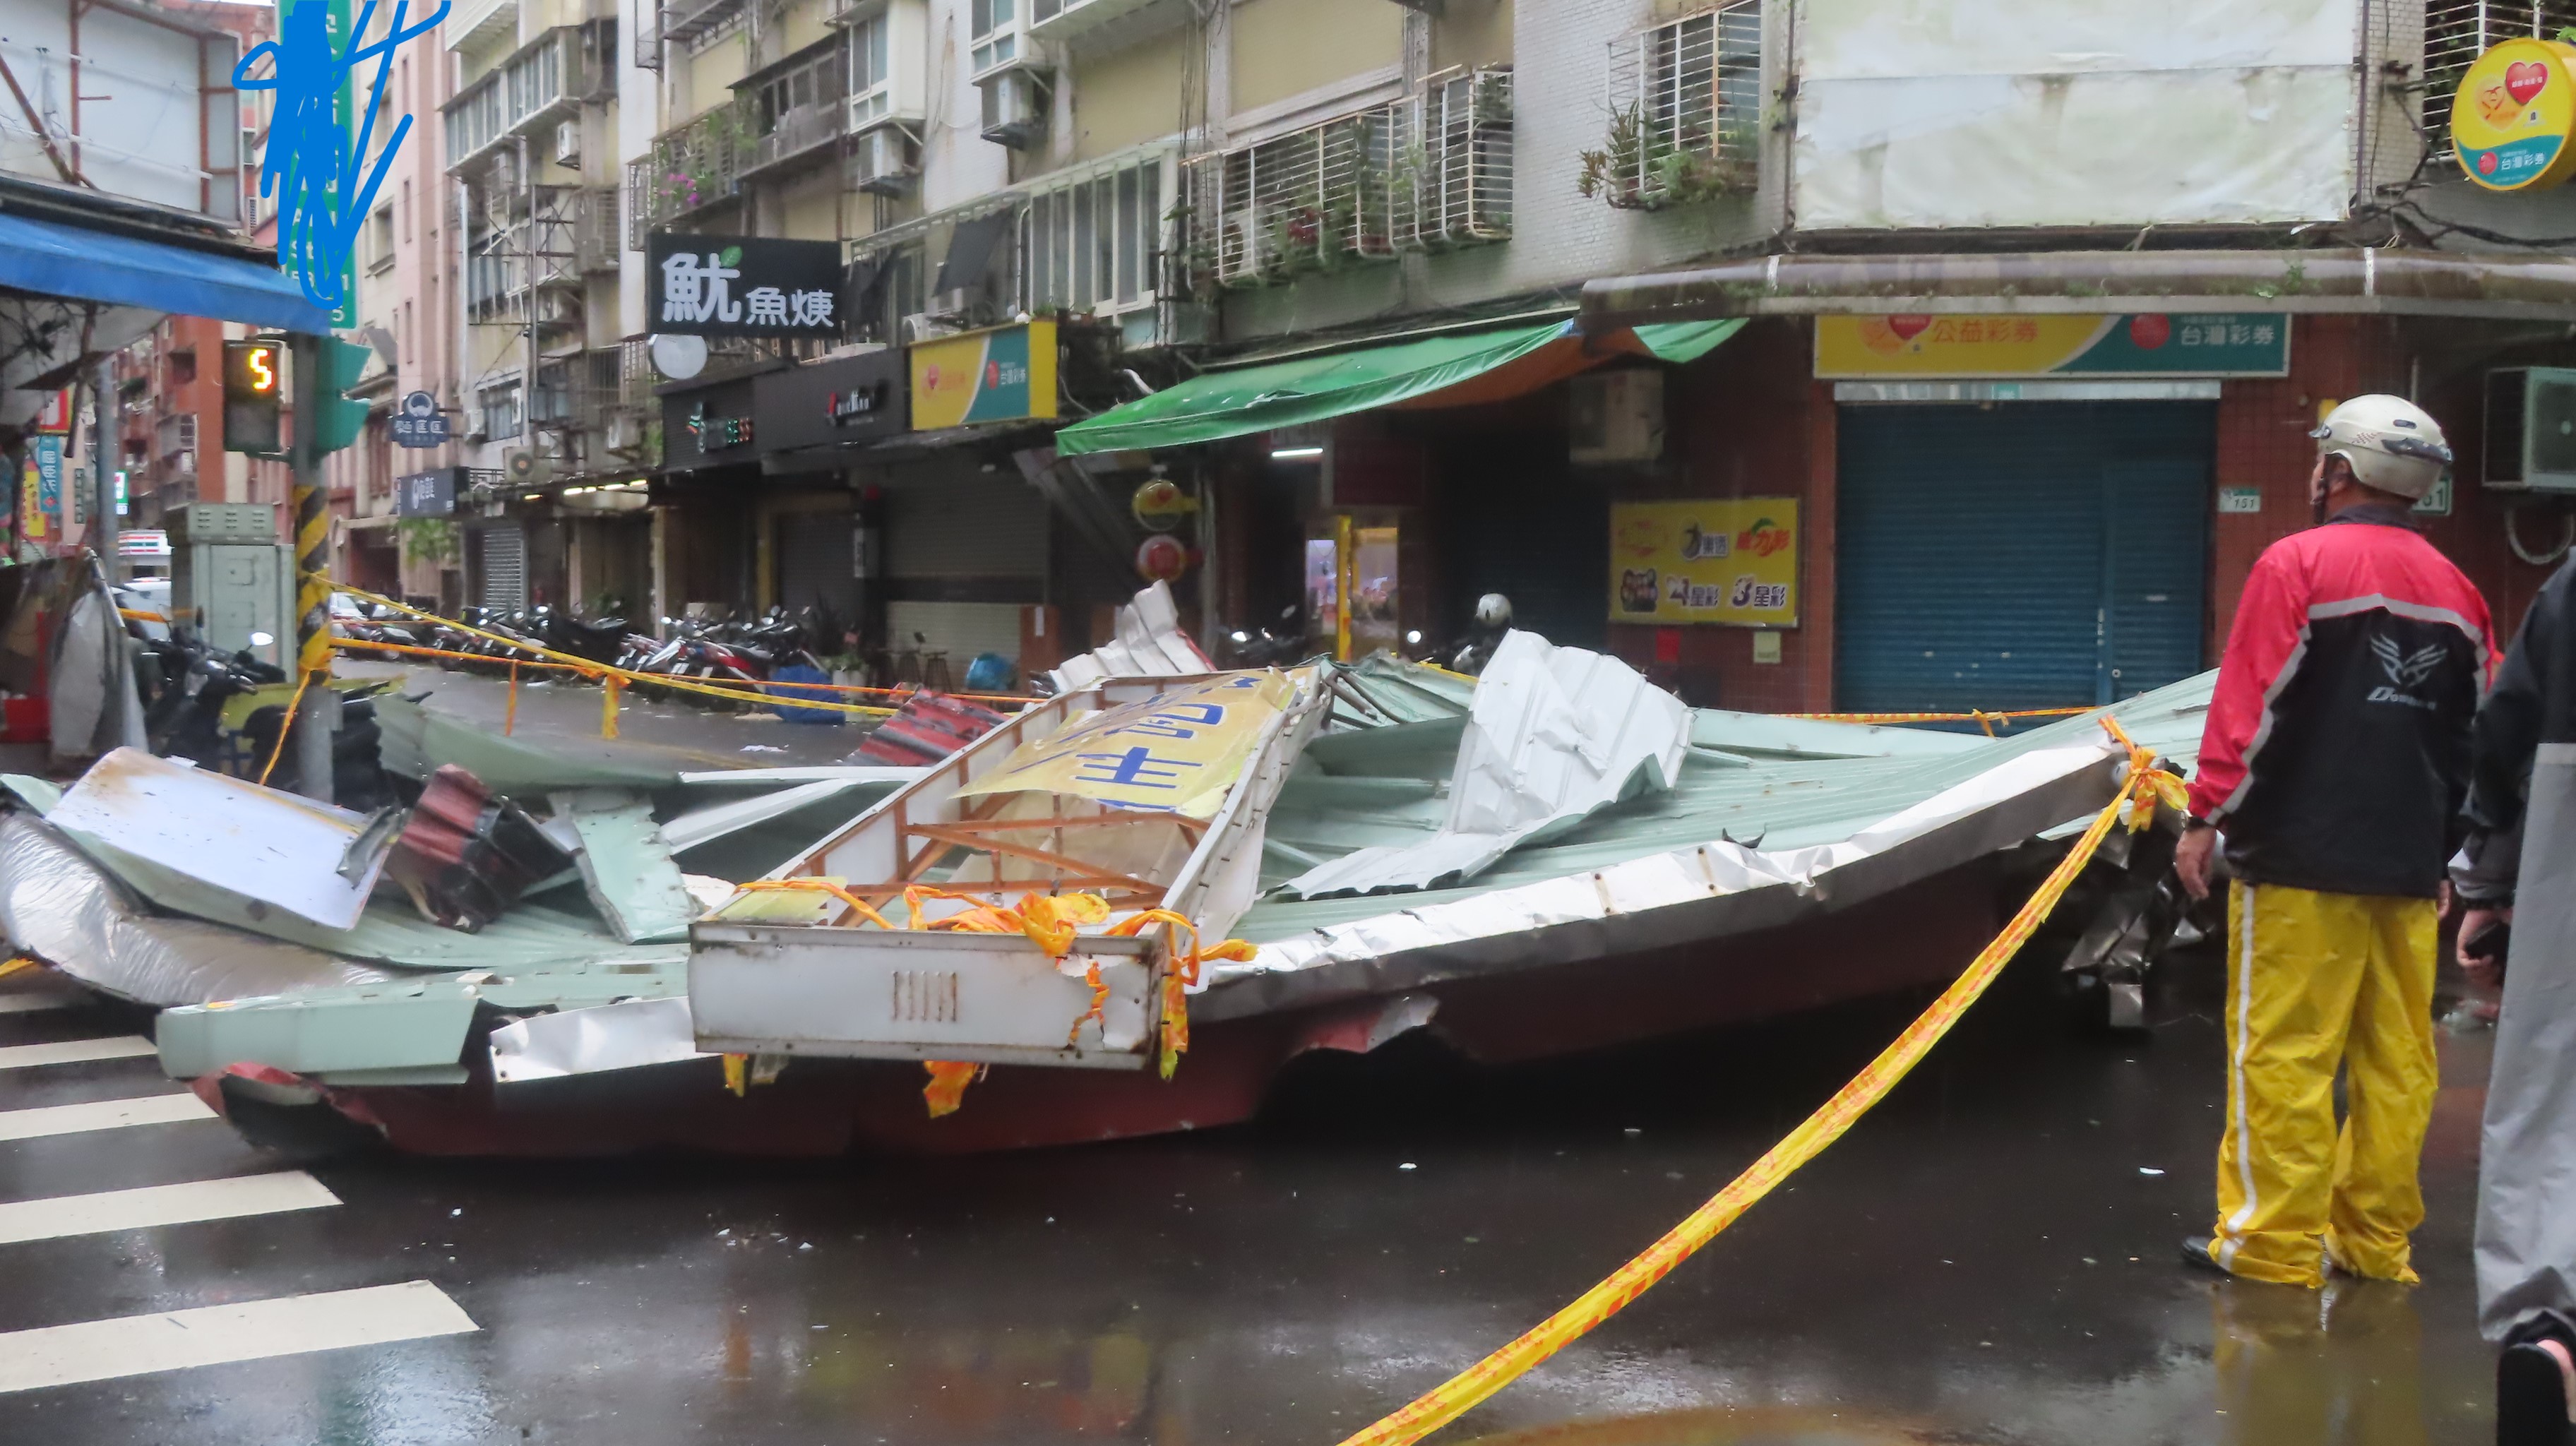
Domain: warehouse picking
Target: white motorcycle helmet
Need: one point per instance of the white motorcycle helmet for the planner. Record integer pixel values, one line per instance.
(1493, 611)
(2389, 442)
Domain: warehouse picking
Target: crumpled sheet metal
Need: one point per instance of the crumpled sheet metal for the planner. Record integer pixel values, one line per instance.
(624, 1035)
(418, 738)
(1149, 644)
(228, 834)
(1708, 891)
(1556, 735)
(60, 907)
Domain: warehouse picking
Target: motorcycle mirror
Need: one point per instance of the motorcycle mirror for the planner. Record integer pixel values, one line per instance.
(261, 640)
(1239, 637)
(1413, 639)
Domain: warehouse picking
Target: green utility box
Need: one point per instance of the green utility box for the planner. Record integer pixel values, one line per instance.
(233, 581)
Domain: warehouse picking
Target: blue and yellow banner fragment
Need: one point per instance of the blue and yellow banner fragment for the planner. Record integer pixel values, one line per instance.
(1176, 752)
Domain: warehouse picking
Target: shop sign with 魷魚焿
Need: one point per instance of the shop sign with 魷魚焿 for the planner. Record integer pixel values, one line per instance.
(741, 286)
(2147, 344)
(1006, 374)
(1713, 560)
(2513, 117)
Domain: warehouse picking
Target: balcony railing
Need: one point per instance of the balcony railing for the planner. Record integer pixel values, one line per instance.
(691, 168)
(688, 19)
(805, 133)
(544, 82)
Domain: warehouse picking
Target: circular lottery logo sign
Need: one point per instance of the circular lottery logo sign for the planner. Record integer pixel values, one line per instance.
(2513, 116)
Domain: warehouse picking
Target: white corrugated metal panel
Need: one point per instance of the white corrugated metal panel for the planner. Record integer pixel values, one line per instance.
(960, 629)
(971, 526)
(1556, 735)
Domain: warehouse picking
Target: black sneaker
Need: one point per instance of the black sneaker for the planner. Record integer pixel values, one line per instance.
(2535, 1383)
(2195, 1251)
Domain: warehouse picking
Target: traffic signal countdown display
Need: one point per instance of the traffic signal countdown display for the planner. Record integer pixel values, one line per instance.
(254, 387)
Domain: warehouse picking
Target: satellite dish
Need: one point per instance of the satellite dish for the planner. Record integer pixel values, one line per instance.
(679, 357)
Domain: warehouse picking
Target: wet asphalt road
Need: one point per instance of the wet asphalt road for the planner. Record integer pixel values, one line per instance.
(1984, 1259)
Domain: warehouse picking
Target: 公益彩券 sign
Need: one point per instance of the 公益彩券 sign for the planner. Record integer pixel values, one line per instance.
(741, 286)
(1006, 374)
(1717, 560)
(2149, 344)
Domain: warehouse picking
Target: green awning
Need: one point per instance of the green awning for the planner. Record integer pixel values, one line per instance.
(1279, 394)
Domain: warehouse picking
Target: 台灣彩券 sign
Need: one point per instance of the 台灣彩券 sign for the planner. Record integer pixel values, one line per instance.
(1006, 374)
(2513, 115)
(1178, 752)
(1717, 560)
(741, 286)
(2148, 344)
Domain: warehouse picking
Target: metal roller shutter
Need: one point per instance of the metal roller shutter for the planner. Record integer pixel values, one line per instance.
(504, 562)
(2019, 556)
(814, 556)
(969, 526)
(959, 629)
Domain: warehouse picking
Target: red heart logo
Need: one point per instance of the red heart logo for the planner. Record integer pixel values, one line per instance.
(2487, 163)
(2149, 331)
(1908, 327)
(2524, 79)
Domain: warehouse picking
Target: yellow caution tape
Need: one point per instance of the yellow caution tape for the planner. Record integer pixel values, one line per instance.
(2139, 793)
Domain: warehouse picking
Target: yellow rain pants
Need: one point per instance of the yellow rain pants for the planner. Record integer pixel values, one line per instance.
(2315, 980)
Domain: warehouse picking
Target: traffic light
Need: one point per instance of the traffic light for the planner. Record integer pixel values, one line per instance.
(254, 372)
(342, 421)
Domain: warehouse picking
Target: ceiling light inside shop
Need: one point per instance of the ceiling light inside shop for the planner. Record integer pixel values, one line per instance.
(1295, 454)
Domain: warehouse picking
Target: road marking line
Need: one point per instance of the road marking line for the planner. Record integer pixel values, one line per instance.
(167, 1109)
(150, 1205)
(73, 1051)
(135, 1345)
(30, 1001)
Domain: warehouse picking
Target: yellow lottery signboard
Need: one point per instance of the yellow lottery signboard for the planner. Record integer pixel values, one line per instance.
(1714, 560)
(2513, 115)
(1176, 752)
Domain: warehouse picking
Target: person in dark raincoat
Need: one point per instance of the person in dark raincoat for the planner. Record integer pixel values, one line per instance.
(2520, 867)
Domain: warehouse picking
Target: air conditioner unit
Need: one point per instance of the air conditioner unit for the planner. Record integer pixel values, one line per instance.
(1015, 107)
(925, 326)
(625, 431)
(568, 144)
(1615, 416)
(505, 174)
(881, 162)
(2531, 429)
(523, 467)
(1243, 253)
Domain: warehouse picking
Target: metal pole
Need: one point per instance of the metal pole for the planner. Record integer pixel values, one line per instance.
(319, 712)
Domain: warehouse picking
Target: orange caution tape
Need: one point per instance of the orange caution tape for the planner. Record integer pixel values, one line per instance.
(13, 965)
(1050, 920)
(948, 1081)
(2144, 786)
(1979, 716)
(286, 725)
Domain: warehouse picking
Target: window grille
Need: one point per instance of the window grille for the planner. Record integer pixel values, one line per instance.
(1685, 108)
(2456, 33)
(1306, 201)
(1097, 240)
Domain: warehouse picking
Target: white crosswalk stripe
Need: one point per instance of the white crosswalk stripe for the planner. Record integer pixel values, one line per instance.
(137, 1345)
(172, 1108)
(74, 1051)
(149, 1205)
(67, 1225)
(36, 1001)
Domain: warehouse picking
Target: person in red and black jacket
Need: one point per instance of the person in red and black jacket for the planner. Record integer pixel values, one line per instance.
(2334, 764)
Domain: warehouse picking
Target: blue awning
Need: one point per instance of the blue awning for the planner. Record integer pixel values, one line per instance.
(52, 259)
